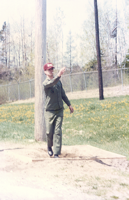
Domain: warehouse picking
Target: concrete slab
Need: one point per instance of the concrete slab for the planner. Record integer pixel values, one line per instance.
(90, 151)
(79, 152)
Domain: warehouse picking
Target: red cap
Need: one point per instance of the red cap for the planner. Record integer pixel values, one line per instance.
(48, 66)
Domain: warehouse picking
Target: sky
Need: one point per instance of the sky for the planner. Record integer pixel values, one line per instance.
(76, 11)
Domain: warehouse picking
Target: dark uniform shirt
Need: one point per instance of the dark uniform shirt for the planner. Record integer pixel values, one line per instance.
(55, 94)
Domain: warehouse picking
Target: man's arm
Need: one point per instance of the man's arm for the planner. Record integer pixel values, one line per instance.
(54, 81)
(71, 109)
(50, 83)
(64, 97)
(66, 100)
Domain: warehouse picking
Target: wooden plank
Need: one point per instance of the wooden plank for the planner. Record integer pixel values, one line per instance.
(78, 159)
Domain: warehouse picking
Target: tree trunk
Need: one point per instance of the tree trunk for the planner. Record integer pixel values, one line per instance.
(40, 59)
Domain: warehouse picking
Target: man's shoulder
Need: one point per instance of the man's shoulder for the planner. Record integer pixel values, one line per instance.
(60, 82)
(45, 81)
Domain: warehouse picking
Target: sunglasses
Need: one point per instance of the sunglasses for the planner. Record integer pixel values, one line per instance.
(51, 69)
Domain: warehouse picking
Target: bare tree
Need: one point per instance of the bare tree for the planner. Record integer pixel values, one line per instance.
(70, 52)
(113, 36)
(55, 39)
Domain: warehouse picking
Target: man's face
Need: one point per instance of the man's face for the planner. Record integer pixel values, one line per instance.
(49, 72)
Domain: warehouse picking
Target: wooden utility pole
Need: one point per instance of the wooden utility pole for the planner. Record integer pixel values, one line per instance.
(98, 52)
(40, 60)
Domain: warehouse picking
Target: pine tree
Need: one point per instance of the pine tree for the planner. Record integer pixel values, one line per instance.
(4, 45)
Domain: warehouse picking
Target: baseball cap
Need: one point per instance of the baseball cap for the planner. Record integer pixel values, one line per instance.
(48, 66)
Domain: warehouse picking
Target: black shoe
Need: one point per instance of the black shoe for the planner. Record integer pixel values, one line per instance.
(56, 156)
(50, 152)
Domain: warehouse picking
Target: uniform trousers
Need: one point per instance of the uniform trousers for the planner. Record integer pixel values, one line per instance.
(54, 121)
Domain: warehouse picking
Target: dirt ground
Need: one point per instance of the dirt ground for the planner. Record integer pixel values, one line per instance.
(81, 173)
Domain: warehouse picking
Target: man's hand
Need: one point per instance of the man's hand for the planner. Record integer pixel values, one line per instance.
(61, 72)
(71, 109)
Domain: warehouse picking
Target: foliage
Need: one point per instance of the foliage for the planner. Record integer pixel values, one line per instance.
(91, 65)
(125, 63)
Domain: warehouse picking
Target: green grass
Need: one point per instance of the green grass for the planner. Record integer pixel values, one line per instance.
(17, 132)
(104, 124)
(17, 122)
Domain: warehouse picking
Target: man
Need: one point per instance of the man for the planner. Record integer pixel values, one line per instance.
(55, 95)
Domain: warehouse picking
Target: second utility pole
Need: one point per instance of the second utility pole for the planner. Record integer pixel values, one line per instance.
(101, 97)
